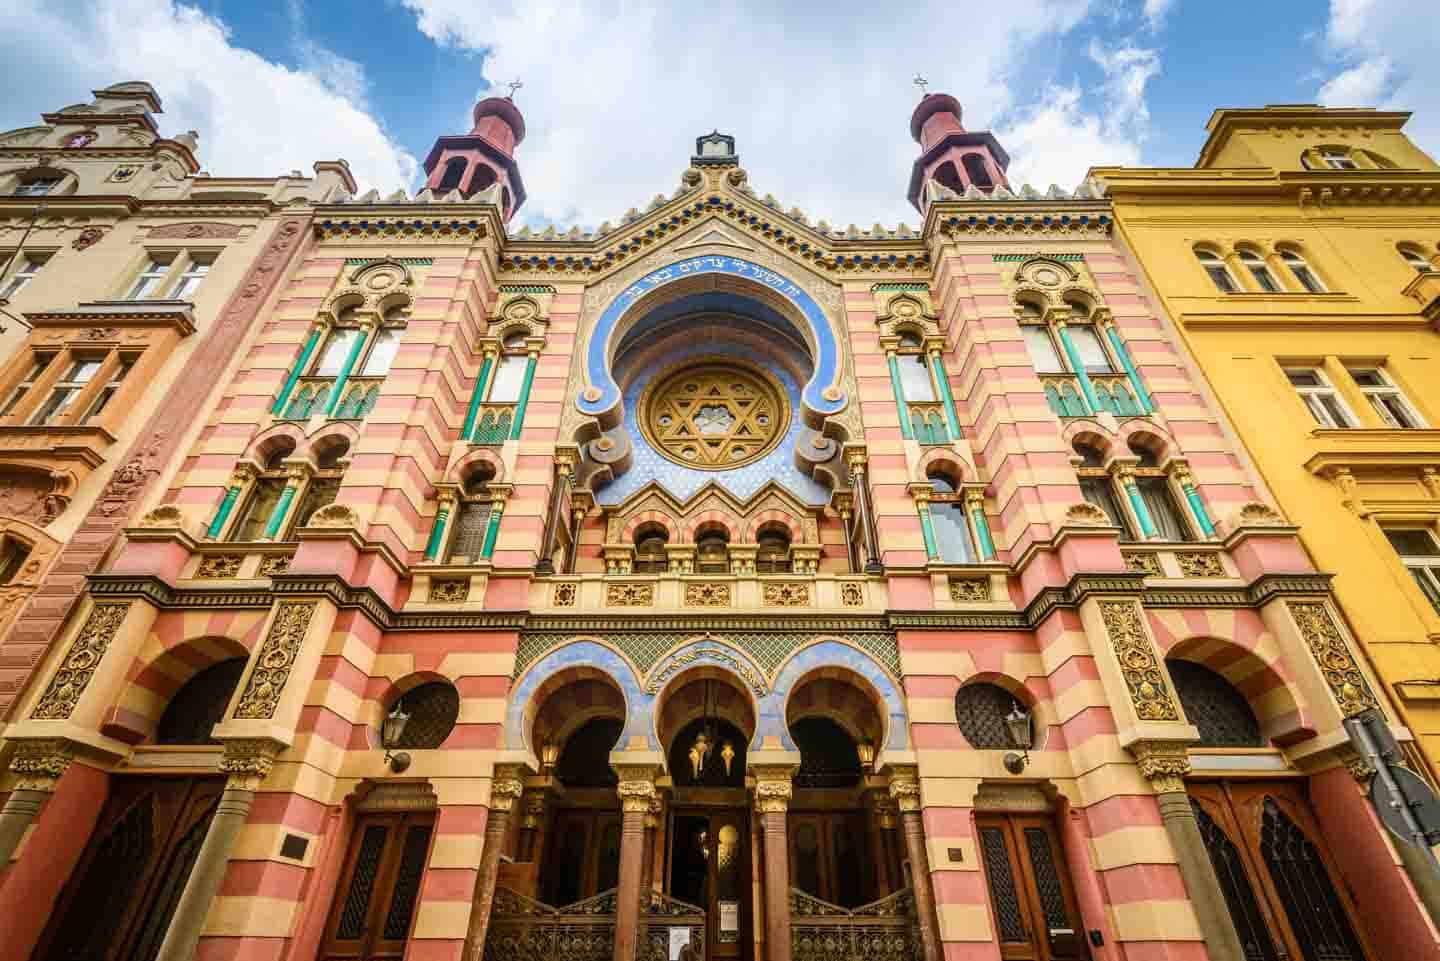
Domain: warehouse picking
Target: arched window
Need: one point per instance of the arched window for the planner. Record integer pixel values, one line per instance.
(509, 376)
(13, 555)
(329, 458)
(585, 759)
(980, 711)
(774, 554)
(472, 520)
(949, 521)
(1304, 276)
(264, 494)
(1039, 342)
(1097, 486)
(978, 173)
(433, 708)
(1416, 259)
(1219, 273)
(482, 179)
(650, 554)
(1337, 158)
(829, 757)
(200, 704)
(1220, 712)
(712, 552)
(1260, 271)
(454, 172)
(947, 176)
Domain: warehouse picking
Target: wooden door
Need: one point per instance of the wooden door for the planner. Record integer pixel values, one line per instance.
(830, 857)
(584, 857)
(709, 867)
(375, 901)
(1276, 872)
(122, 894)
(1031, 897)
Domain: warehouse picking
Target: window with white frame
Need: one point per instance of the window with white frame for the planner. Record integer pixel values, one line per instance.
(196, 267)
(1420, 553)
(1042, 350)
(1416, 259)
(382, 352)
(1090, 350)
(509, 374)
(338, 346)
(109, 390)
(948, 521)
(1337, 158)
(67, 390)
(1301, 271)
(1320, 397)
(1260, 271)
(27, 266)
(1389, 403)
(37, 186)
(1219, 274)
(151, 278)
(39, 361)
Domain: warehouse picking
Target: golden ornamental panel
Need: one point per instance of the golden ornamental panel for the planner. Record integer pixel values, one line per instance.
(965, 590)
(707, 595)
(275, 661)
(714, 414)
(1143, 562)
(80, 662)
(1200, 564)
(629, 595)
(786, 595)
(220, 566)
(1336, 662)
(1149, 690)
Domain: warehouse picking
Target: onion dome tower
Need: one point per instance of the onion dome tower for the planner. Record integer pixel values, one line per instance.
(951, 156)
(482, 158)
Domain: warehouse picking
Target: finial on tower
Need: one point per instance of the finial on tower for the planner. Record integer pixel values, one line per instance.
(514, 85)
(922, 83)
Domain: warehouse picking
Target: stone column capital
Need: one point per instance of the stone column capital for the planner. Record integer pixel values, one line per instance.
(41, 762)
(1179, 469)
(636, 787)
(974, 498)
(242, 474)
(505, 787)
(1163, 763)
(905, 792)
(248, 761)
(773, 797)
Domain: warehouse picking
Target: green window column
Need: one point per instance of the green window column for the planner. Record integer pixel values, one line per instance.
(295, 372)
(1182, 475)
(497, 508)
(900, 405)
(227, 504)
(339, 389)
(1147, 404)
(1078, 366)
(937, 367)
(524, 396)
(282, 507)
(437, 533)
(927, 527)
(975, 502)
(479, 395)
(1142, 513)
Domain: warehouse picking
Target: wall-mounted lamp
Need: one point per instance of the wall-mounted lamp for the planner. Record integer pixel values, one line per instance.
(1022, 733)
(866, 750)
(390, 730)
(549, 754)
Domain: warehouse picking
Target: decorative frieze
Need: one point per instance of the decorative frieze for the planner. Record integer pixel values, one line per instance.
(1144, 677)
(274, 661)
(707, 595)
(686, 658)
(1142, 562)
(565, 594)
(40, 763)
(1163, 763)
(786, 595)
(1333, 655)
(629, 595)
(248, 761)
(969, 590)
(852, 594)
(80, 662)
(452, 590)
(1200, 564)
(275, 564)
(220, 566)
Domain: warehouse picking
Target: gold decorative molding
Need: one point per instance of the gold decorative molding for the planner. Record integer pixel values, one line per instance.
(905, 790)
(773, 796)
(968, 590)
(636, 795)
(1163, 763)
(629, 595)
(707, 595)
(1143, 562)
(1145, 678)
(564, 594)
(852, 594)
(449, 590)
(40, 763)
(275, 564)
(504, 790)
(679, 661)
(80, 662)
(786, 595)
(275, 659)
(248, 761)
(1337, 664)
(1200, 563)
(220, 566)
(398, 796)
(714, 413)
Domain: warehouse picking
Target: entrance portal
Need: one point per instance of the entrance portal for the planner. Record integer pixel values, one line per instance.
(708, 866)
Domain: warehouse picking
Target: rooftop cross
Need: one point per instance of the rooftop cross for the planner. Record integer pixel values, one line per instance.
(514, 85)
(922, 83)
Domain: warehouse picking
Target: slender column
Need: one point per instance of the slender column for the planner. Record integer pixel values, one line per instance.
(238, 480)
(40, 764)
(442, 519)
(481, 381)
(533, 805)
(647, 866)
(772, 798)
(505, 787)
(881, 810)
(843, 504)
(339, 389)
(247, 761)
(564, 465)
(937, 368)
(1077, 366)
(525, 393)
(636, 793)
(295, 476)
(579, 507)
(1142, 513)
(975, 505)
(1165, 764)
(1147, 403)
(860, 489)
(900, 405)
(921, 494)
(497, 510)
(298, 370)
(1181, 472)
(905, 789)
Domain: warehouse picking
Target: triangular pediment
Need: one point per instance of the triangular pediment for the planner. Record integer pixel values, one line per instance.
(715, 236)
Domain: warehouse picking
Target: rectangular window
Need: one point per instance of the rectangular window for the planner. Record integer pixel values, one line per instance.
(148, 284)
(37, 187)
(1386, 398)
(915, 382)
(1101, 492)
(264, 495)
(1169, 524)
(193, 276)
(507, 379)
(382, 352)
(1421, 556)
(112, 386)
(337, 348)
(1321, 399)
(37, 368)
(1338, 160)
(1088, 347)
(66, 390)
(470, 528)
(1042, 351)
(952, 533)
(29, 266)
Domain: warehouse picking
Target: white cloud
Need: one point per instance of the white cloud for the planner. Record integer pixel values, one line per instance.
(1386, 57)
(255, 117)
(819, 101)
(1155, 12)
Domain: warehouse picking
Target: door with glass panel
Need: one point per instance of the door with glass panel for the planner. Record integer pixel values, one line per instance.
(375, 901)
(1031, 898)
(1276, 872)
(709, 868)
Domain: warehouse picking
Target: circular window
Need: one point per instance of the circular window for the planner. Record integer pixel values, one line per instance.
(980, 710)
(433, 710)
(714, 415)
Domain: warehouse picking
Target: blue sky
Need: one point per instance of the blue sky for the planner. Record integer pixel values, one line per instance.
(817, 95)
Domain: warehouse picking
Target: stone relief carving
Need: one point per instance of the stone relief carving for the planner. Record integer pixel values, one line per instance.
(274, 661)
(1337, 664)
(1149, 688)
(81, 662)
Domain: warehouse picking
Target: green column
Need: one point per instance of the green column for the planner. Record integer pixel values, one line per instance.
(282, 507)
(951, 418)
(927, 527)
(477, 397)
(1078, 367)
(297, 371)
(437, 533)
(986, 543)
(493, 530)
(345, 371)
(223, 513)
(1181, 473)
(1142, 513)
(1146, 403)
(524, 396)
(900, 404)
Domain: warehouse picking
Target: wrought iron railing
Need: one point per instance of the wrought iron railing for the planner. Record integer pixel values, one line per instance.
(883, 930)
(494, 423)
(524, 929)
(663, 914)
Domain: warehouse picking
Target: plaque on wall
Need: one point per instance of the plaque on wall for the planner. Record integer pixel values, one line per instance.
(729, 921)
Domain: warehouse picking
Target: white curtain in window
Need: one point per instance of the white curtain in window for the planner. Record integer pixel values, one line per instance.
(915, 379)
(1042, 351)
(1087, 345)
(952, 534)
(505, 385)
(387, 342)
(337, 348)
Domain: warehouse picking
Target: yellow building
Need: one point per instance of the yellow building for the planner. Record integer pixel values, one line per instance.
(1298, 260)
